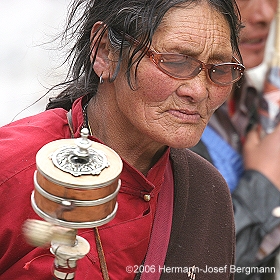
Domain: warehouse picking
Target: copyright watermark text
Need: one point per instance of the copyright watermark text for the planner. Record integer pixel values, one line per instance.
(196, 270)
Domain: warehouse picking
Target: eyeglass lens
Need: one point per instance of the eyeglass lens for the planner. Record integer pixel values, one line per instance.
(187, 67)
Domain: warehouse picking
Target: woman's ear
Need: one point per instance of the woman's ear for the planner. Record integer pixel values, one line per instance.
(100, 50)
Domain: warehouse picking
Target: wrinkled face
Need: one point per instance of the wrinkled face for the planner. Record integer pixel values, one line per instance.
(170, 111)
(257, 16)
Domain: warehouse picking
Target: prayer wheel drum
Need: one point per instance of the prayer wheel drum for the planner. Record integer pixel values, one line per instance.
(76, 183)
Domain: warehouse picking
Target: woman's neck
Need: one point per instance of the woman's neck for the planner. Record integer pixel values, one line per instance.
(113, 130)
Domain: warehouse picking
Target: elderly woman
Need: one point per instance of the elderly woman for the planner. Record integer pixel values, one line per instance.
(146, 76)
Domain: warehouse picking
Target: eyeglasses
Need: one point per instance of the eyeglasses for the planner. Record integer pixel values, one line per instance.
(180, 66)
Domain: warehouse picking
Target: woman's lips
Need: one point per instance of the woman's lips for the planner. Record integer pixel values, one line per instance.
(186, 115)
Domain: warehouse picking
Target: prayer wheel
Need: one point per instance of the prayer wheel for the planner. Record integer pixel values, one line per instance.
(76, 183)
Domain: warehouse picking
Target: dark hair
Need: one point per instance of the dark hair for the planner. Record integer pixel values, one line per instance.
(137, 18)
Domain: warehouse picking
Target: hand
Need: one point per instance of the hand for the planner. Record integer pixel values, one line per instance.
(263, 154)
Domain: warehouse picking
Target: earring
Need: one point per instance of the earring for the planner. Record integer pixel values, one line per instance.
(101, 81)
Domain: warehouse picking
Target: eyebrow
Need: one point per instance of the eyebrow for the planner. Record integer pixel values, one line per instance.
(215, 57)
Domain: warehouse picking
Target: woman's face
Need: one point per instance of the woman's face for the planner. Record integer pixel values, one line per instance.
(170, 111)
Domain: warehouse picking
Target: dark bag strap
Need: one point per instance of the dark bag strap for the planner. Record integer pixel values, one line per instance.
(70, 122)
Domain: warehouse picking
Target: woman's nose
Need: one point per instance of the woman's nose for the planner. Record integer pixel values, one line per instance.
(195, 89)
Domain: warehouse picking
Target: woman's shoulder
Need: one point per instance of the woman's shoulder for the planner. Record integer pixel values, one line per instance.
(201, 175)
(188, 159)
(31, 128)
(21, 140)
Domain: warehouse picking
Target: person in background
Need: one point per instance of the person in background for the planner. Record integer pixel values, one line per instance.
(249, 163)
(145, 78)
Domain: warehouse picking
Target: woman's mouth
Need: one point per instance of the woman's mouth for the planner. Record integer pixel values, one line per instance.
(186, 115)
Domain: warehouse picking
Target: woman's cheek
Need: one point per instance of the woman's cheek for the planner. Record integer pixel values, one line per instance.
(154, 84)
(218, 97)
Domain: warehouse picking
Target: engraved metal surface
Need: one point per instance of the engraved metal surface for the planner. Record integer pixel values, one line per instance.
(66, 160)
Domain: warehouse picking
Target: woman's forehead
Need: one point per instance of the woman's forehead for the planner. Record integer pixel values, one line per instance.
(194, 29)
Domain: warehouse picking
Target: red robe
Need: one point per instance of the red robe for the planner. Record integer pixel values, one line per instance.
(202, 231)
